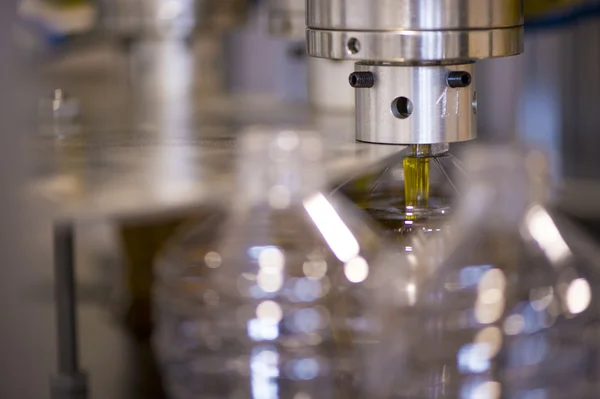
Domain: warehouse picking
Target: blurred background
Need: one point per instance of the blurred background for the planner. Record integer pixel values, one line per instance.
(120, 116)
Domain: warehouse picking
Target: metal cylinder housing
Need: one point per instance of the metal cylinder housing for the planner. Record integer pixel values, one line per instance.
(414, 30)
(287, 18)
(416, 104)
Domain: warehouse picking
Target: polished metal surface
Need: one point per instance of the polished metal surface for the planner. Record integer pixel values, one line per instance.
(327, 84)
(165, 140)
(328, 88)
(413, 15)
(287, 18)
(413, 46)
(415, 105)
(134, 19)
(414, 30)
(173, 165)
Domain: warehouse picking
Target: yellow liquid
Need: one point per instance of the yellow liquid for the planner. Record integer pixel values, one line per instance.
(416, 184)
(419, 200)
(67, 3)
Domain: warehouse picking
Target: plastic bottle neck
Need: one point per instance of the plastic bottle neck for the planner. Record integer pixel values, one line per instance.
(279, 169)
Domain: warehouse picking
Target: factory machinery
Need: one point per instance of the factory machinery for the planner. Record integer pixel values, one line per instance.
(414, 74)
(414, 81)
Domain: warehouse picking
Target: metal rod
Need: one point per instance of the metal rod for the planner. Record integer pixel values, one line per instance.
(70, 382)
(64, 264)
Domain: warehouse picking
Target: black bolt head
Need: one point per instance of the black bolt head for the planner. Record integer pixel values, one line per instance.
(361, 80)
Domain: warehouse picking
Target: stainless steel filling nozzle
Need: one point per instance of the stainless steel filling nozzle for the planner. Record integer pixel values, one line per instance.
(414, 76)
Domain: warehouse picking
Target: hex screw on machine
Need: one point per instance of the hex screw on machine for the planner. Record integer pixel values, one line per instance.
(360, 80)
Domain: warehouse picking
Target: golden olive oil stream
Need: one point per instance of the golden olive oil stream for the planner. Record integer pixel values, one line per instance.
(416, 179)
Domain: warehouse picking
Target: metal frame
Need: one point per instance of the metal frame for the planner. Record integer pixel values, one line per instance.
(70, 382)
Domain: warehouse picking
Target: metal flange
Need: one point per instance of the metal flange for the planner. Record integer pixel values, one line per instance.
(417, 104)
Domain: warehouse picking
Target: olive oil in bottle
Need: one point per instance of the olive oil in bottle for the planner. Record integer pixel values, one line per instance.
(415, 192)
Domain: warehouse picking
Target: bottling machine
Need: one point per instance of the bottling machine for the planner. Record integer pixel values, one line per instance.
(414, 75)
(415, 85)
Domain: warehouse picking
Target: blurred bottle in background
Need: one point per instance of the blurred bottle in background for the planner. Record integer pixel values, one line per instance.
(176, 75)
(512, 311)
(268, 304)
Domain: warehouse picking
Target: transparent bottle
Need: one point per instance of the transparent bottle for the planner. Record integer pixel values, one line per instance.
(513, 310)
(269, 307)
(416, 191)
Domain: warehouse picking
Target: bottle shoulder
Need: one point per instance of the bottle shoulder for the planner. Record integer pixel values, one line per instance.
(256, 253)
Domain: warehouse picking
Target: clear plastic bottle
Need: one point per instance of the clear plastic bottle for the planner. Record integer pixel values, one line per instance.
(513, 310)
(269, 304)
(415, 192)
